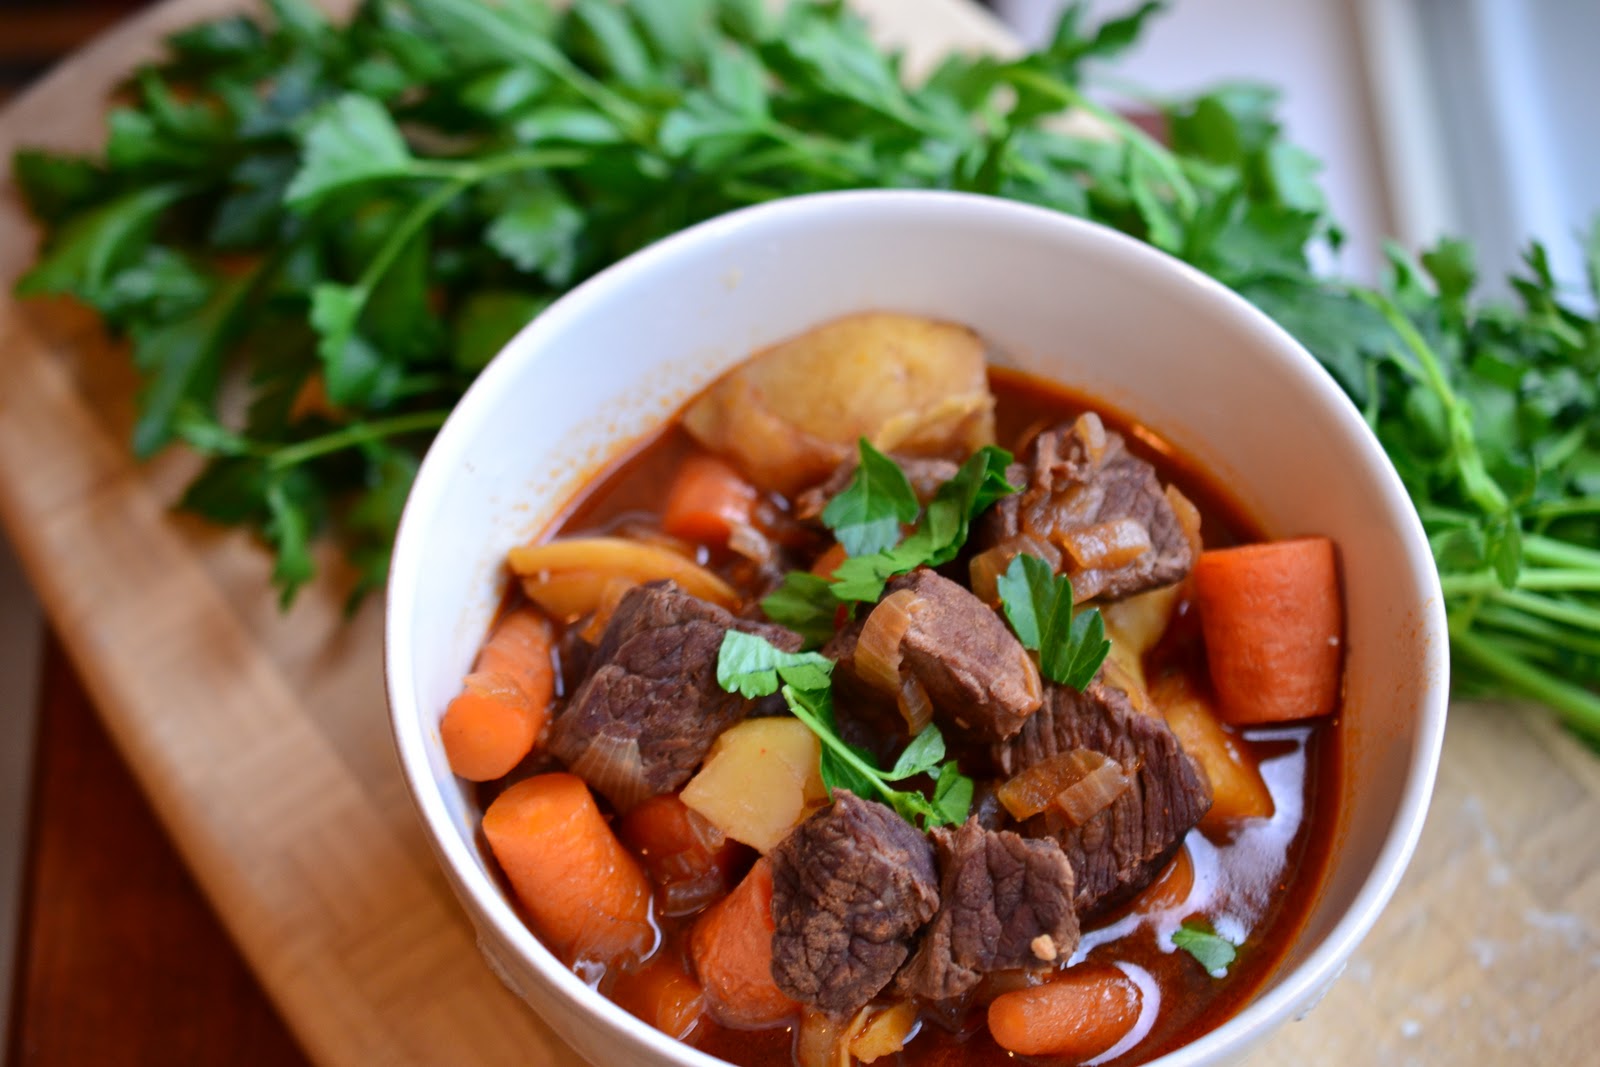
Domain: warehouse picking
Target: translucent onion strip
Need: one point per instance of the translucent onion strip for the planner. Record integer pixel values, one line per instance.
(1106, 545)
(877, 659)
(1046, 782)
(1096, 791)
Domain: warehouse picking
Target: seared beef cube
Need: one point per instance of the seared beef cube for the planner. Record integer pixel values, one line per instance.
(645, 716)
(1118, 851)
(1076, 479)
(976, 673)
(851, 886)
(1005, 903)
(925, 473)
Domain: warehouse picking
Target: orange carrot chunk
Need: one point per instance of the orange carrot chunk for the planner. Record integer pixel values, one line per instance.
(708, 501)
(731, 945)
(520, 646)
(586, 895)
(1081, 1014)
(664, 995)
(688, 858)
(1272, 620)
(505, 702)
(488, 728)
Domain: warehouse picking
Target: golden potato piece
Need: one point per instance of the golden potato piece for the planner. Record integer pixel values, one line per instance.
(793, 412)
(760, 779)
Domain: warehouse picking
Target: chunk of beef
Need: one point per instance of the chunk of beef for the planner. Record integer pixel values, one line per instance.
(975, 672)
(925, 473)
(851, 886)
(1005, 903)
(1117, 852)
(643, 719)
(1076, 477)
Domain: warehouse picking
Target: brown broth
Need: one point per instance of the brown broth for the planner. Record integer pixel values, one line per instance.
(1266, 877)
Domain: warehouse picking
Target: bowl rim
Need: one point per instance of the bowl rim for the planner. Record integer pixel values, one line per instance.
(1291, 991)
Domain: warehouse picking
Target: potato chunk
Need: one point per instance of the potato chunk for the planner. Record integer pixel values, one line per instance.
(1237, 788)
(793, 412)
(759, 781)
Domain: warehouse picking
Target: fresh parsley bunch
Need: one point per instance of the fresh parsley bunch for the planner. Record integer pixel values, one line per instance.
(347, 221)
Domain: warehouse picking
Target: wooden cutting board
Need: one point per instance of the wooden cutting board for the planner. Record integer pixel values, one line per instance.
(262, 742)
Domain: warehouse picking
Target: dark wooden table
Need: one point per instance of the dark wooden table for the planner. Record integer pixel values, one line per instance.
(120, 959)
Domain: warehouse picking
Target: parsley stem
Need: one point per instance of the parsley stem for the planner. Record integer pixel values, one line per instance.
(840, 749)
(1558, 509)
(1553, 635)
(358, 434)
(1475, 478)
(1579, 707)
(1579, 615)
(1553, 552)
(1549, 580)
(473, 171)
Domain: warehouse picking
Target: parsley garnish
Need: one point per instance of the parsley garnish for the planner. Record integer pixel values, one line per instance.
(1071, 645)
(939, 534)
(1200, 940)
(751, 666)
(805, 604)
(810, 604)
(866, 517)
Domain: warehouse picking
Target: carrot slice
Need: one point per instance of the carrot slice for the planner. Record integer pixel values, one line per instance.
(1272, 619)
(708, 501)
(505, 702)
(731, 945)
(520, 646)
(663, 994)
(688, 858)
(488, 728)
(1080, 1014)
(586, 895)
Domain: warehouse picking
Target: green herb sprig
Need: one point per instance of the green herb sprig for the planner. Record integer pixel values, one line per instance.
(1071, 645)
(751, 666)
(1213, 951)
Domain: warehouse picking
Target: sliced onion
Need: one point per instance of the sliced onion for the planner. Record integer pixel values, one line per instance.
(886, 1032)
(878, 649)
(1188, 518)
(985, 571)
(1042, 785)
(987, 566)
(1091, 432)
(611, 595)
(1106, 545)
(915, 705)
(747, 541)
(1091, 794)
(823, 1040)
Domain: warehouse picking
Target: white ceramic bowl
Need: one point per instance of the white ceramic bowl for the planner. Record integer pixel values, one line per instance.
(1059, 297)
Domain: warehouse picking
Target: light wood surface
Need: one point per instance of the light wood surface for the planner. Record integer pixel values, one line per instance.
(261, 741)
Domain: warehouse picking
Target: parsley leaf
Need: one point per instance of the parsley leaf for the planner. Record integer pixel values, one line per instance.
(805, 604)
(1200, 940)
(866, 517)
(1071, 645)
(351, 141)
(751, 666)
